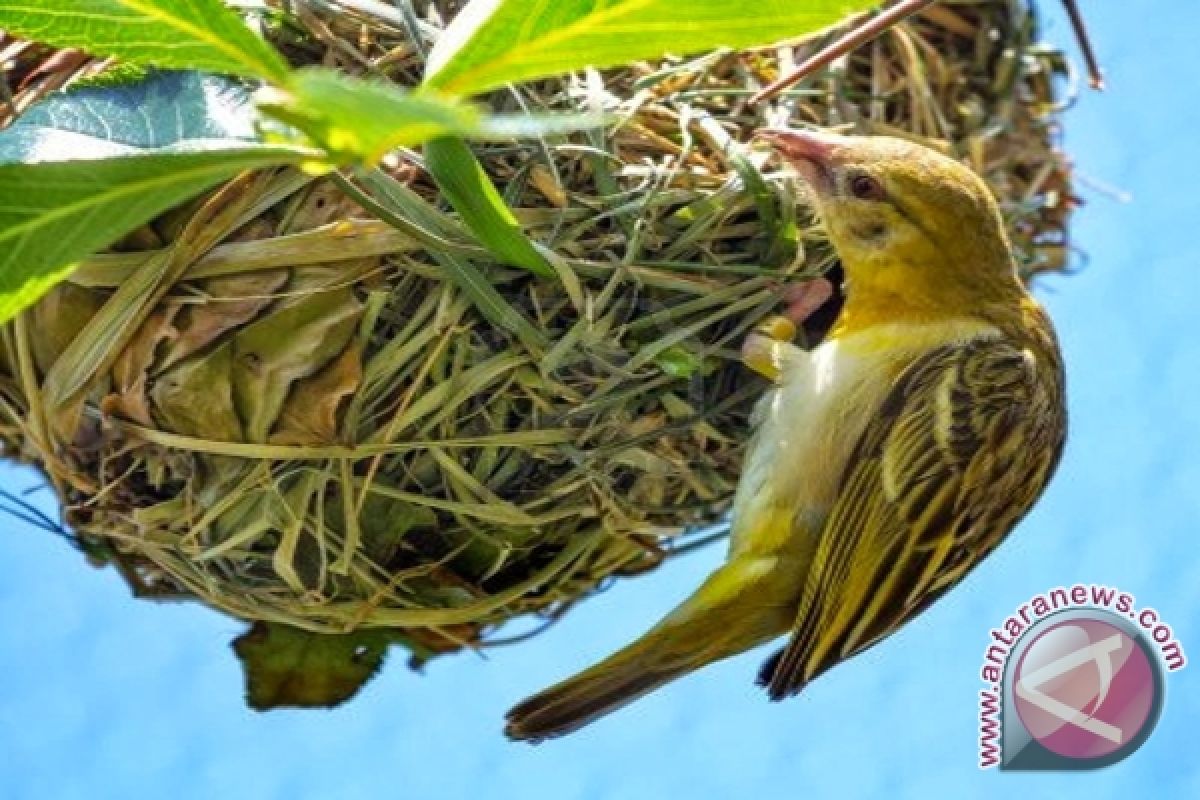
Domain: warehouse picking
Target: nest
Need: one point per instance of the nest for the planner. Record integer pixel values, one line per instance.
(308, 423)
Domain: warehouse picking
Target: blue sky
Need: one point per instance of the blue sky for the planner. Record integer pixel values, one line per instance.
(107, 696)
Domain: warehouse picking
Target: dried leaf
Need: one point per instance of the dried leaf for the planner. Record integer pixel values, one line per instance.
(324, 203)
(309, 414)
(131, 370)
(232, 301)
(196, 397)
(291, 344)
(58, 318)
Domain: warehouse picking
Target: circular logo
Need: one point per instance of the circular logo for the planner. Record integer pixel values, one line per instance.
(1085, 689)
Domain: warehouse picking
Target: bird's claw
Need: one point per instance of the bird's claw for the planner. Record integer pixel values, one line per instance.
(779, 328)
(761, 353)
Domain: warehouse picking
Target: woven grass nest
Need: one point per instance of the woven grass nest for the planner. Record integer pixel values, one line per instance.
(313, 430)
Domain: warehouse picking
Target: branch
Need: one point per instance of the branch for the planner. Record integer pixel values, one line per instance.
(858, 35)
(1095, 75)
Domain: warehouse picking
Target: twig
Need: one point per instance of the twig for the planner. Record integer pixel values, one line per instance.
(1095, 75)
(18, 507)
(862, 33)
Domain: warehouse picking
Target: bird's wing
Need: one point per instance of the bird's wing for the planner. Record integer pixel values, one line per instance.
(961, 447)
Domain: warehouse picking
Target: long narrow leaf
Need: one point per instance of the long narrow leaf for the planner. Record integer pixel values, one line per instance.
(401, 208)
(463, 182)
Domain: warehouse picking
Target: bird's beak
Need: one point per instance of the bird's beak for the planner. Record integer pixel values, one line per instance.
(814, 154)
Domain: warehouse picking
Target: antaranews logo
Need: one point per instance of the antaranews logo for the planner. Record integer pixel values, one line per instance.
(1073, 680)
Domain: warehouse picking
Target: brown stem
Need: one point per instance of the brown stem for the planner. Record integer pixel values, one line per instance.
(1095, 75)
(864, 32)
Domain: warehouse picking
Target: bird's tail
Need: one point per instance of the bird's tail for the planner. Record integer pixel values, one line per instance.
(599, 690)
(741, 605)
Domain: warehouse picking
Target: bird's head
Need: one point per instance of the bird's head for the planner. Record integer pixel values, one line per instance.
(909, 224)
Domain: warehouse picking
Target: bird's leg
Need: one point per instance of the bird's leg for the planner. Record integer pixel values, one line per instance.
(803, 299)
(770, 345)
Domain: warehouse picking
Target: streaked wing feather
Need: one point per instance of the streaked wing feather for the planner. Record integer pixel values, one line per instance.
(960, 449)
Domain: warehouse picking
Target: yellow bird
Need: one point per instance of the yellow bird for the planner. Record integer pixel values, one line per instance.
(889, 460)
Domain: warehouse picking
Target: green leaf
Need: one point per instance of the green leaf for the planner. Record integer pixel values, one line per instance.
(463, 182)
(83, 168)
(157, 109)
(679, 362)
(357, 119)
(182, 34)
(494, 42)
(362, 119)
(289, 667)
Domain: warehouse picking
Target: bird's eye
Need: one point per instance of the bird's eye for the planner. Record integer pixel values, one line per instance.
(864, 187)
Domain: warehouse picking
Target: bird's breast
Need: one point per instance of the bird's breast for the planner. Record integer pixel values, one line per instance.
(810, 423)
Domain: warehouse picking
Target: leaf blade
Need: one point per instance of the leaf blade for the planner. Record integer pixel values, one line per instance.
(286, 667)
(397, 206)
(464, 183)
(182, 34)
(38, 251)
(494, 42)
(73, 182)
(362, 119)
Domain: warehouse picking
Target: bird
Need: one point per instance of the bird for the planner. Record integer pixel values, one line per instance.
(887, 461)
